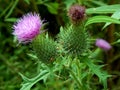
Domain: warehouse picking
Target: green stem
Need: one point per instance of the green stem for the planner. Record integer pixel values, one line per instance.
(78, 69)
(34, 5)
(6, 9)
(79, 2)
(74, 76)
(12, 8)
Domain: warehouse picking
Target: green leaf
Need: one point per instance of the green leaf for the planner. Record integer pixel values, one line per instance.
(68, 3)
(95, 53)
(12, 8)
(28, 83)
(24, 78)
(116, 42)
(6, 9)
(99, 19)
(100, 3)
(27, 1)
(52, 7)
(115, 15)
(96, 69)
(32, 56)
(103, 9)
(11, 19)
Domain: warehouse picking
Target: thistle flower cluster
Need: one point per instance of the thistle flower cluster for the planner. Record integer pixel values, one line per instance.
(27, 27)
(74, 40)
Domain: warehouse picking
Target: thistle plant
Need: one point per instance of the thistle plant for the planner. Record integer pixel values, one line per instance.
(66, 62)
(74, 38)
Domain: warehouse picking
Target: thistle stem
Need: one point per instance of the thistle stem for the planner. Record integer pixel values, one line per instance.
(76, 79)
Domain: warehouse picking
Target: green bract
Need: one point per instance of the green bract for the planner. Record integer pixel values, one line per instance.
(45, 48)
(74, 40)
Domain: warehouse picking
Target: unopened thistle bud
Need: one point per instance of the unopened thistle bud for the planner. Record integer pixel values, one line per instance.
(76, 13)
(74, 40)
(45, 48)
(103, 44)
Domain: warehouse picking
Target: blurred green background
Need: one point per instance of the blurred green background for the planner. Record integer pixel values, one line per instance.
(14, 58)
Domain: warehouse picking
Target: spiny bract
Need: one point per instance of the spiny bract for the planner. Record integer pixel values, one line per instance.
(45, 48)
(74, 40)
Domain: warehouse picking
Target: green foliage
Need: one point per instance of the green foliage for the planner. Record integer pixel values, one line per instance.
(115, 15)
(12, 8)
(27, 1)
(74, 73)
(52, 7)
(11, 19)
(96, 69)
(68, 3)
(100, 3)
(28, 83)
(6, 9)
(103, 9)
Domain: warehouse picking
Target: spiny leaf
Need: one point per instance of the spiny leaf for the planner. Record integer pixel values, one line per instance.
(97, 71)
(28, 83)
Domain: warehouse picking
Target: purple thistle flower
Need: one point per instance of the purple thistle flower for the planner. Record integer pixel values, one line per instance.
(27, 27)
(103, 44)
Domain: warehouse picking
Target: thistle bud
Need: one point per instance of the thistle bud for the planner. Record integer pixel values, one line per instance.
(45, 48)
(74, 40)
(103, 44)
(76, 13)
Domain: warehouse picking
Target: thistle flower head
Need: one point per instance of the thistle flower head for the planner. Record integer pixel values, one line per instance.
(76, 13)
(103, 44)
(27, 27)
